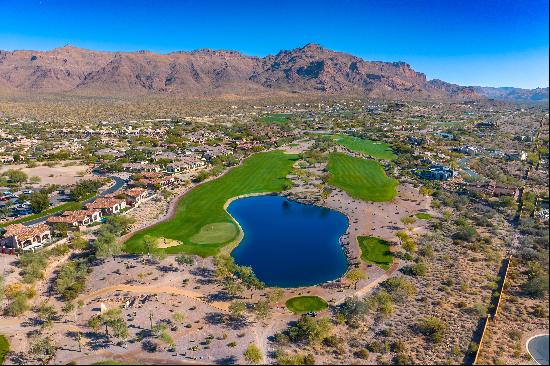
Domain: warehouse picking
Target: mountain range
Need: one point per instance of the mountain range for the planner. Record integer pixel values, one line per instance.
(511, 94)
(311, 70)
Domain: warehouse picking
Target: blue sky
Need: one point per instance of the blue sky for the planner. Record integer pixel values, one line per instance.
(483, 42)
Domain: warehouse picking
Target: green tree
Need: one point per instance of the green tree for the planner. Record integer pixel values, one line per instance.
(110, 319)
(237, 309)
(42, 346)
(32, 266)
(106, 245)
(46, 314)
(310, 330)
(355, 275)
(78, 242)
(249, 279)
(18, 305)
(150, 244)
(537, 286)
(184, 259)
(15, 177)
(39, 201)
(262, 310)
(71, 279)
(353, 310)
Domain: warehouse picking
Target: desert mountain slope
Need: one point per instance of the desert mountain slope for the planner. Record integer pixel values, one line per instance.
(311, 69)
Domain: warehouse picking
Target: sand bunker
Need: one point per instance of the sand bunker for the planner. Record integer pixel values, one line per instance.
(167, 243)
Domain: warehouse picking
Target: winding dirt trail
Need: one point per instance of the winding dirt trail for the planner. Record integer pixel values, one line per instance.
(143, 289)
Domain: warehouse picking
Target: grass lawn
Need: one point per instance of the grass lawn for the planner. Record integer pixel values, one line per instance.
(4, 348)
(378, 150)
(68, 206)
(303, 304)
(423, 216)
(360, 178)
(375, 250)
(201, 223)
(276, 118)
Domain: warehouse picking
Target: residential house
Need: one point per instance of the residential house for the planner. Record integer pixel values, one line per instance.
(152, 180)
(77, 218)
(437, 172)
(135, 196)
(516, 156)
(185, 164)
(18, 236)
(468, 150)
(140, 167)
(107, 205)
(492, 189)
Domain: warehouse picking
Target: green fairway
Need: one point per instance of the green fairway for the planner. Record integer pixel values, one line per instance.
(304, 304)
(276, 118)
(4, 349)
(378, 150)
(375, 250)
(360, 178)
(201, 222)
(423, 216)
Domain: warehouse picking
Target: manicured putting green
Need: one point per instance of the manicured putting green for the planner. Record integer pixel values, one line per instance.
(4, 348)
(218, 232)
(378, 150)
(304, 304)
(201, 222)
(360, 178)
(375, 250)
(423, 216)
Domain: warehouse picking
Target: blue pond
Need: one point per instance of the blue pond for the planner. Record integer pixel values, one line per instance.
(287, 243)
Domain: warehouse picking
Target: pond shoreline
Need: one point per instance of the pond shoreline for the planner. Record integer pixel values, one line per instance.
(296, 234)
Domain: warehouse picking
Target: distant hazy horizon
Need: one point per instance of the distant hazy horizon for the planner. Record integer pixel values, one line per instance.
(489, 43)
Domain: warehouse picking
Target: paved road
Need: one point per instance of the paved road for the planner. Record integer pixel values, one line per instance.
(464, 165)
(119, 183)
(538, 348)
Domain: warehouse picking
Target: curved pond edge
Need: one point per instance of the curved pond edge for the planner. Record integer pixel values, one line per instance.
(228, 248)
(527, 346)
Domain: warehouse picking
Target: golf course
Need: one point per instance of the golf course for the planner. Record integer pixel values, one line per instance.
(304, 304)
(276, 118)
(4, 348)
(201, 225)
(377, 150)
(376, 251)
(360, 178)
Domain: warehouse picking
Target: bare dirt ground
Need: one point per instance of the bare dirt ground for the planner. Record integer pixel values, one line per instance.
(60, 175)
